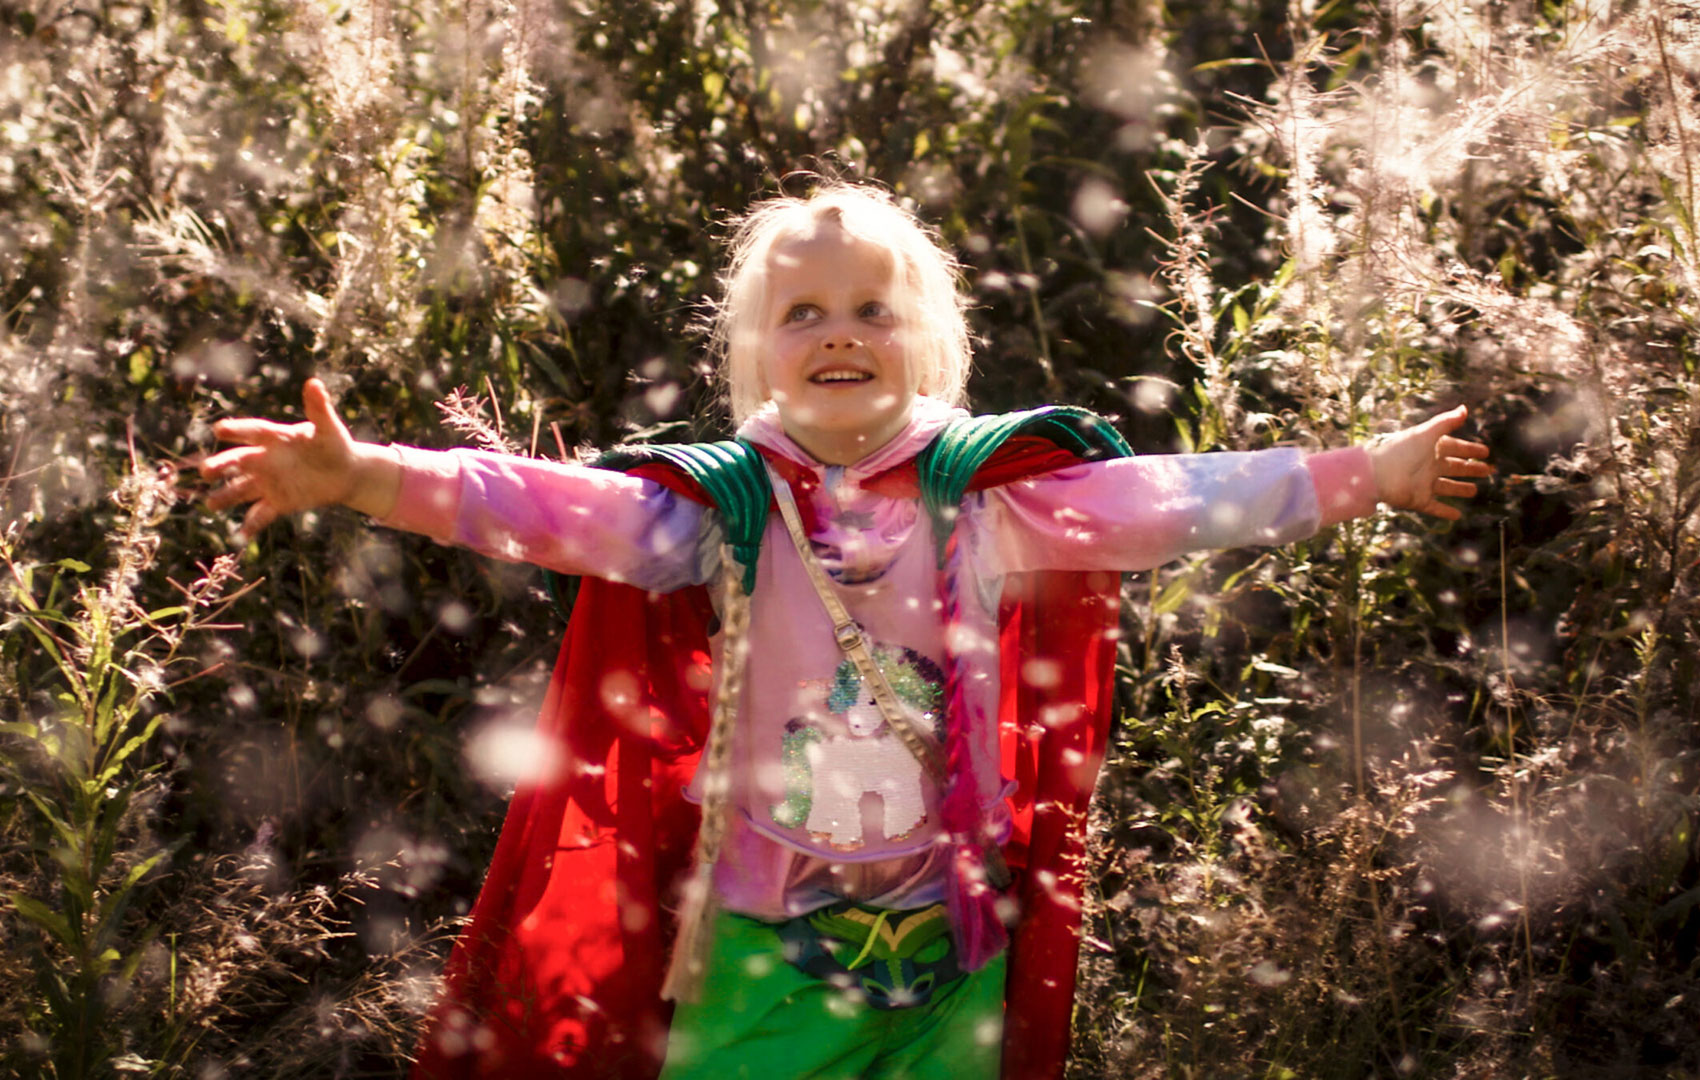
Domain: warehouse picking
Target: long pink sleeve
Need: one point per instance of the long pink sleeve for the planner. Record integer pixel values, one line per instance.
(570, 518)
(1140, 512)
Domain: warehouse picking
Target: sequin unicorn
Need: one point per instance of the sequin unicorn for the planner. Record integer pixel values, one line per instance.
(827, 775)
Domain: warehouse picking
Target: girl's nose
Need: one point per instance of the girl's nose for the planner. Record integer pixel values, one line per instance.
(840, 341)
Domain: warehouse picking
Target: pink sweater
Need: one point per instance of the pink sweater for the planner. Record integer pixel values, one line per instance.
(831, 805)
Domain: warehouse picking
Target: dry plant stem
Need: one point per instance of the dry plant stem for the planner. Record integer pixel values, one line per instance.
(1186, 269)
(495, 407)
(1052, 387)
(1519, 803)
(1357, 679)
(1688, 209)
(1367, 870)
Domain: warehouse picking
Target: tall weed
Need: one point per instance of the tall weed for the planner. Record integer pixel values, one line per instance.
(1397, 800)
(82, 759)
(1477, 825)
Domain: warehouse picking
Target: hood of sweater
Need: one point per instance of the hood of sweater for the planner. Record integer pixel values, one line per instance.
(856, 532)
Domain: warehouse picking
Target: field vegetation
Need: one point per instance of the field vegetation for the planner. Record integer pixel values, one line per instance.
(1404, 800)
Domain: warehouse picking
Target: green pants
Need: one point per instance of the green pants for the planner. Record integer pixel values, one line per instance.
(759, 1017)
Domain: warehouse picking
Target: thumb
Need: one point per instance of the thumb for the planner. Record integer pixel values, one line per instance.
(1451, 420)
(317, 402)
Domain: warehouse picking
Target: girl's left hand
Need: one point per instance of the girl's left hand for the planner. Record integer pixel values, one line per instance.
(1416, 467)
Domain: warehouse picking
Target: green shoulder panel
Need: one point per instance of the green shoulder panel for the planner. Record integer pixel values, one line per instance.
(730, 473)
(950, 461)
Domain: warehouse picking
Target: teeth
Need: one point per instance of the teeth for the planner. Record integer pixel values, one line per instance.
(841, 376)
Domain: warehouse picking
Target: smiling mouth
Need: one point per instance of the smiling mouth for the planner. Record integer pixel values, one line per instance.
(827, 377)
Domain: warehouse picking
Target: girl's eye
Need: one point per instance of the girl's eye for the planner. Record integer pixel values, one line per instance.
(801, 313)
(874, 309)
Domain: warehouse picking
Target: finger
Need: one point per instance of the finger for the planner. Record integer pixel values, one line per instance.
(1464, 467)
(1448, 421)
(225, 461)
(1454, 489)
(250, 430)
(238, 491)
(1442, 511)
(258, 517)
(1451, 447)
(316, 400)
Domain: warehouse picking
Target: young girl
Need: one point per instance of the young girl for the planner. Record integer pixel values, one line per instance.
(844, 911)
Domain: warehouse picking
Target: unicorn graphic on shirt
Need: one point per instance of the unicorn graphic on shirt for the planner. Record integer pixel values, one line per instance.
(829, 767)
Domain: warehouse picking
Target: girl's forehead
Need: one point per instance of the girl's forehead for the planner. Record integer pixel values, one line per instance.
(829, 243)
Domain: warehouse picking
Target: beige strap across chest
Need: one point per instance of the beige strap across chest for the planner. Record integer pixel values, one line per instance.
(850, 638)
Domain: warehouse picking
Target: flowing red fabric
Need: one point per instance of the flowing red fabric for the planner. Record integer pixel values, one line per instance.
(559, 972)
(1058, 677)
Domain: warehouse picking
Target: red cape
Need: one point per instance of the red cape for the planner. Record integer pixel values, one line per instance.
(559, 972)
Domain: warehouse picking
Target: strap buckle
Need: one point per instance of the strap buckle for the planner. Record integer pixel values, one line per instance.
(848, 635)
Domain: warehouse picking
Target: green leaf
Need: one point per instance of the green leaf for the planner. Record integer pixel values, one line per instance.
(1684, 212)
(1184, 431)
(137, 954)
(76, 566)
(141, 365)
(130, 746)
(166, 613)
(1239, 575)
(112, 907)
(103, 729)
(1173, 595)
(1676, 910)
(112, 816)
(67, 835)
(72, 674)
(1230, 62)
(43, 916)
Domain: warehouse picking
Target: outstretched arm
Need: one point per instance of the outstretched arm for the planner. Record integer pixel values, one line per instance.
(287, 468)
(1416, 467)
(565, 517)
(1139, 512)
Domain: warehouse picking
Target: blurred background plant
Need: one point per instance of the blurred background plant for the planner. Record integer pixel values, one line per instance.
(1402, 800)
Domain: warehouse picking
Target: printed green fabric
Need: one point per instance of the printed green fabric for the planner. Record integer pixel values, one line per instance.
(896, 959)
(759, 1017)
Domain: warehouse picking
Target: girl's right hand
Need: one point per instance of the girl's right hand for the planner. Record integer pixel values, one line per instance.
(287, 468)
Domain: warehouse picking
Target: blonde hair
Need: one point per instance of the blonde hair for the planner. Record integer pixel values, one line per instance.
(929, 301)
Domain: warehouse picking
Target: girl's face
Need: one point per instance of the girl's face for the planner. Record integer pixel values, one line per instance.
(833, 360)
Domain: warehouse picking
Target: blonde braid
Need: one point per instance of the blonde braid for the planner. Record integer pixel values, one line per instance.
(698, 907)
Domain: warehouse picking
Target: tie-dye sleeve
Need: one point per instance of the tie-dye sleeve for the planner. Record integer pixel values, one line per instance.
(1139, 512)
(569, 518)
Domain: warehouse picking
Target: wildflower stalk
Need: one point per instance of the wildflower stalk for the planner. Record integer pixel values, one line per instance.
(1186, 269)
(1520, 816)
(1687, 208)
(1045, 363)
(84, 768)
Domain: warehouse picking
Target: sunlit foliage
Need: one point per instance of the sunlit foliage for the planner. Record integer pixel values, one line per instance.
(1396, 801)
